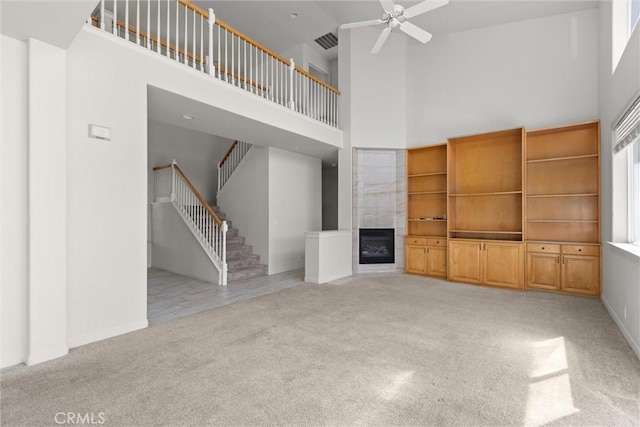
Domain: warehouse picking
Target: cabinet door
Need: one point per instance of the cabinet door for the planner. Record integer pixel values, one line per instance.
(416, 260)
(436, 261)
(464, 261)
(503, 265)
(543, 271)
(581, 274)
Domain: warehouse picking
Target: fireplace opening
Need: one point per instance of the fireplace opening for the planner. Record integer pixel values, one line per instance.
(377, 246)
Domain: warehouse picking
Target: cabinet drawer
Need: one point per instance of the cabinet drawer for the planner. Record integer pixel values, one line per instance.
(416, 241)
(581, 250)
(437, 242)
(543, 247)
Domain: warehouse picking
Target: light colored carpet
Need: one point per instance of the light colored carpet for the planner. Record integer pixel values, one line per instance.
(377, 350)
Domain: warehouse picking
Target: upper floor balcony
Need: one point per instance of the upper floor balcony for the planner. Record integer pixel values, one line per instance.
(185, 33)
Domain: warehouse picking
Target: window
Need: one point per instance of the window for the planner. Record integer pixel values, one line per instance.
(626, 142)
(625, 17)
(634, 14)
(634, 192)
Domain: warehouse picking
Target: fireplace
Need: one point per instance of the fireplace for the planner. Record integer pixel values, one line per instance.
(377, 246)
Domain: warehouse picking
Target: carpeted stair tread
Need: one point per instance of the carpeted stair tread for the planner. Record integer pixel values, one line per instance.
(245, 273)
(242, 263)
(247, 260)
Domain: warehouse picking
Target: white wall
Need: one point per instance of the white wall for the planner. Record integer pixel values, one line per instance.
(621, 269)
(534, 73)
(377, 88)
(14, 201)
(47, 96)
(295, 207)
(245, 200)
(197, 155)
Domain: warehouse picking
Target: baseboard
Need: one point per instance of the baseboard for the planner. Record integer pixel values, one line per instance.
(107, 333)
(634, 345)
(45, 356)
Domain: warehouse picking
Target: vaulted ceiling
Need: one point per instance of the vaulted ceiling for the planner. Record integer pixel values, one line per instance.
(271, 23)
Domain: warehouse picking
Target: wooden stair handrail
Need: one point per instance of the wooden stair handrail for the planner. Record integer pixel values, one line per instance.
(211, 212)
(254, 43)
(198, 196)
(232, 30)
(165, 166)
(180, 50)
(229, 151)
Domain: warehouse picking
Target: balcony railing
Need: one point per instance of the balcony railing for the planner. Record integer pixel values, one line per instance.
(183, 32)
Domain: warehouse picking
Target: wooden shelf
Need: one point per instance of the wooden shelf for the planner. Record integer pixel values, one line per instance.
(564, 221)
(555, 159)
(539, 196)
(426, 193)
(417, 175)
(496, 193)
(485, 232)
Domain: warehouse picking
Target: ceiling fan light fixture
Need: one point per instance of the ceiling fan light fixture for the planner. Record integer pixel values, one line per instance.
(396, 16)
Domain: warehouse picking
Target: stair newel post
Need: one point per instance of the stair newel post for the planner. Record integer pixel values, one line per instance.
(223, 252)
(212, 21)
(219, 177)
(173, 180)
(292, 71)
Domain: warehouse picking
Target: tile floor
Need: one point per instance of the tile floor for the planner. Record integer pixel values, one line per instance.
(171, 296)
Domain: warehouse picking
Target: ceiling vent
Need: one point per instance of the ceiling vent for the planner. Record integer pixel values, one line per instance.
(328, 41)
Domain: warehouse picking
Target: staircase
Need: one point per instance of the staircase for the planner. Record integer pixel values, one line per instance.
(242, 263)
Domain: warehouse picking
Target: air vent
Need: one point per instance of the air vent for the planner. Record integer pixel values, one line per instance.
(327, 41)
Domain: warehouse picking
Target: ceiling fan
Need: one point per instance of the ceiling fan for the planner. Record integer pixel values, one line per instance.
(395, 15)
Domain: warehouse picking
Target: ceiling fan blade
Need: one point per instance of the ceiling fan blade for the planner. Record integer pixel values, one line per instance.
(383, 37)
(361, 24)
(424, 7)
(415, 32)
(387, 5)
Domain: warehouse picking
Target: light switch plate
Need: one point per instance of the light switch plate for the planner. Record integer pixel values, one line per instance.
(100, 132)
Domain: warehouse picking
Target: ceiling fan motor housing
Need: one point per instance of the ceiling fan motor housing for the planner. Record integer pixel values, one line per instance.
(395, 18)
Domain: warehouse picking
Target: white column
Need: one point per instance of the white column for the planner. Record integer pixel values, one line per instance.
(47, 202)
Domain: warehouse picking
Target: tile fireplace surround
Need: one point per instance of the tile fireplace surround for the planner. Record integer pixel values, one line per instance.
(379, 201)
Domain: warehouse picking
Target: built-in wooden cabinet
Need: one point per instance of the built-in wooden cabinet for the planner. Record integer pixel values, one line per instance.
(563, 208)
(426, 256)
(511, 209)
(485, 203)
(568, 268)
(426, 242)
(486, 263)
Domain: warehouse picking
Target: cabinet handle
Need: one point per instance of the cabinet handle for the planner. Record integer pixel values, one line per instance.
(563, 259)
(542, 248)
(558, 259)
(427, 250)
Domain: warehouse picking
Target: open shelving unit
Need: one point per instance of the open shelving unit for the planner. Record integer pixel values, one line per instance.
(563, 184)
(486, 186)
(427, 191)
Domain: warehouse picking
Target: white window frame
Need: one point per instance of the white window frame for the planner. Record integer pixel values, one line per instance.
(633, 207)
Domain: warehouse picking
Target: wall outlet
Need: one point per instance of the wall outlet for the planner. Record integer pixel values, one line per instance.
(625, 313)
